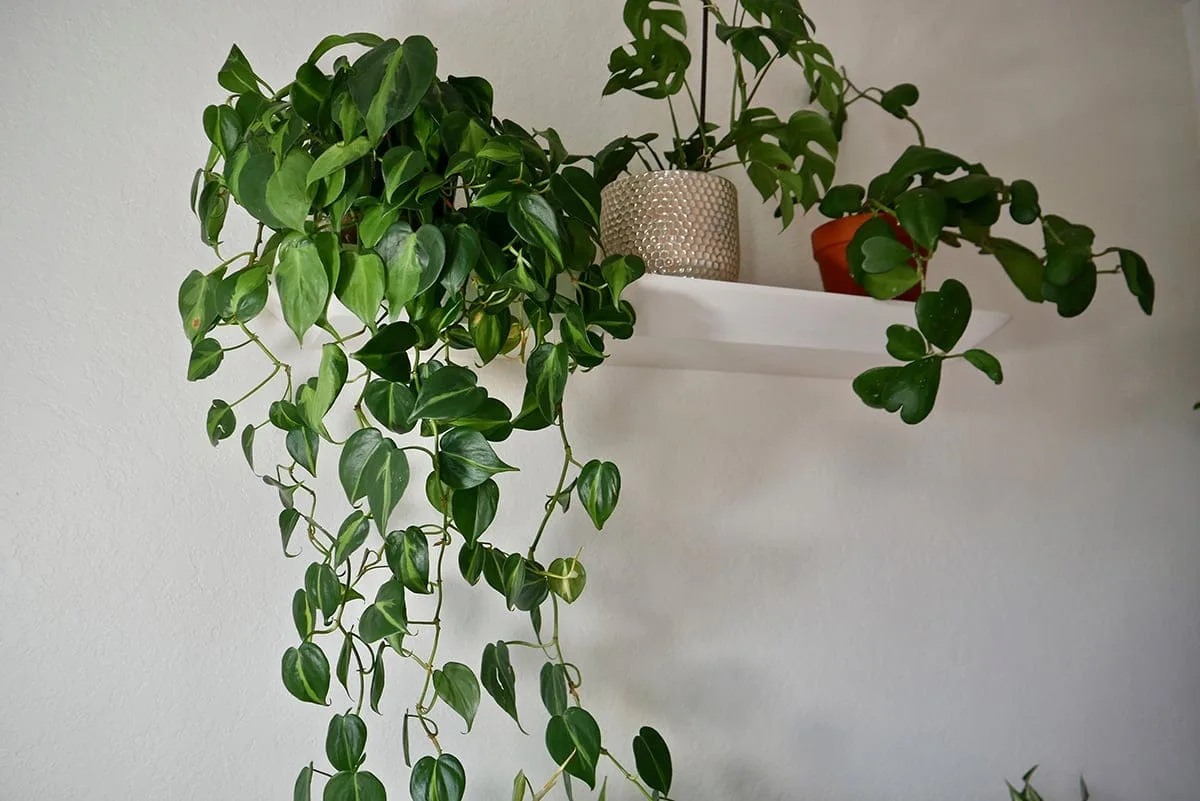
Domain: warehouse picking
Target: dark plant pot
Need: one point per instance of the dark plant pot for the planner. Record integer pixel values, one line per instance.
(831, 243)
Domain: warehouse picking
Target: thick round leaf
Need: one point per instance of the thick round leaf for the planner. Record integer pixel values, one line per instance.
(345, 741)
(407, 554)
(874, 228)
(306, 673)
(440, 779)
(449, 393)
(1074, 298)
(302, 282)
(467, 460)
(882, 254)
(391, 404)
(553, 682)
(474, 509)
(842, 200)
(986, 363)
(943, 315)
(221, 421)
(573, 738)
(534, 221)
(499, 678)
(357, 786)
(599, 487)
(566, 578)
(653, 759)
(353, 462)
(205, 359)
(922, 213)
(1023, 200)
(456, 684)
(302, 444)
(905, 343)
(896, 102)
(385, 477)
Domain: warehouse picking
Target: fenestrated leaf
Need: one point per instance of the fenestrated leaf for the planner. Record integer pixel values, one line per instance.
(345, 741)
(599, 487)
(387, 616)
(302, 615)
(361, 283)
(401, 165)
(407, 555)
(499, 679)
(221, 421)
(534, 221)
(306, 673)
(205, 359)
(467, 460)
(356, 453)
(437, 779)
(391, 404)
(922, 213)
(905, 343)
(449, 393)
(986, 363)
(198, 306)
(653, 760)
(323, 589)
(566, 578)
(302, 444)
(943, 315)
(302, 790)
(385, 477)
(456, 684)
(287, 190)
(575, 736)
(302, 282)
(546, 376)
(553, 682)
(336, 157)
(351, 536)
(360, 785)
(474, 509)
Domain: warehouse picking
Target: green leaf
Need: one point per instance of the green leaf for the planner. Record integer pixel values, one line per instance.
(906, 344)
(470, 562)
(198, 306)
(342, 668)
(573, 738)
(567, 578)
(911, 389)
(306, 673)
(884, 254)
(386, 353)
(553, 681)
(337, 40)
(323, 589)
(302, 282)
(578, 194)
(406, 262)
(474, 509)
(248, 445)
(1024, 268)
(499, 679)
(437, 779)
(391, 404)
(449, 393)
(212, 209)
(345, 741)
(653, 759)
(1023, 199)
(1138, 278)
(360, 285)
(492, 419)
(388, 82)
(599, 487)
(302, 791)
(534, 221)
(284, 415)
(467, 460)
(243, 295)
(456, 684)
(351, 536)
(205, 359)
(619, 272)
(512, 578)
(352, 465)
(288, 519)
(287, 191)
(842, 200)
(407, 555)
(247, 173)
(336, 157)
(221, 421)
(1073, 298)
(922, 213)
(387, 616)
(401, 165)
(236, 74)
(357, 786)
(943, 315)
(385, 477)
(331, 377)
(378, 679)
(464, 250)
(302, 615)
(374, 223)
(302, 444)
(489, 331)
(895, 101)
(986, 363)
(546, 377)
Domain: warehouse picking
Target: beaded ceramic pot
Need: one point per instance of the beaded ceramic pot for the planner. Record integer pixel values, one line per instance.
(679, 222)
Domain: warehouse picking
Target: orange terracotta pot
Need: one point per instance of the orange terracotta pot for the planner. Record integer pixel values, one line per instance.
(831, 242)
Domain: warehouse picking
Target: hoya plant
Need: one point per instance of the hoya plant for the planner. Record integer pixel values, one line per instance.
(410, 237)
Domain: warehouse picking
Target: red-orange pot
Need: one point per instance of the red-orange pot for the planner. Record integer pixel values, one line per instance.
(830, 244)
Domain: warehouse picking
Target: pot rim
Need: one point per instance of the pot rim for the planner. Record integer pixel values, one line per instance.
(651, 175)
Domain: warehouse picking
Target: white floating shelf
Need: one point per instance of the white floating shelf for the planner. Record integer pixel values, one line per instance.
(695, 324)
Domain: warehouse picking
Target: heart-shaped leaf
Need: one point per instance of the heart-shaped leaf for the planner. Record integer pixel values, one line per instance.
(922, 213)
(986, 363)
(221, 421)
(353, 462)
(387, 616)
(385, 477)
(474, 509)
(345, 741)
(205, 359)
(302, 282)
(566, 578)
(306, 673)
(323, 589)
(357, 786)
(943, 315)
(1024, 268)
(1138, 279)
(456, 684)
(553, 681)
(534, 221)
(884, 254)
(302, 444)
(407, 554)
(599, 487)
(351, 536)
(448, 393)
(905, 343)
(387, 353)
(896, 100)
(361, 284)
(573, 739)
(653, 759)
(391, 404)
(499, 679)
(911, 389)
(467, 460)
(437, 779)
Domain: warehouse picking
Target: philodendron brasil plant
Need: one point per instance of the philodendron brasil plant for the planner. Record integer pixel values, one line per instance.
(930, 196)
(388, 197)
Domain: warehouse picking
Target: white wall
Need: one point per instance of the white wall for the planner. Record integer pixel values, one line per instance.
(809, 599)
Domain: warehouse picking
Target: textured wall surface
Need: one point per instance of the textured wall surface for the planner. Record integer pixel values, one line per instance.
(808, 599)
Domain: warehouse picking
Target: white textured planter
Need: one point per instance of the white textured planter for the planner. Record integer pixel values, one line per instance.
(678, 221)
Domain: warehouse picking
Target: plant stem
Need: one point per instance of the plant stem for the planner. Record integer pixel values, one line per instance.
(632, 779)
(562, 481)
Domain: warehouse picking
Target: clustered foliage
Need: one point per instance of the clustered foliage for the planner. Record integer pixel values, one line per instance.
(927, 198)
(451, 236)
